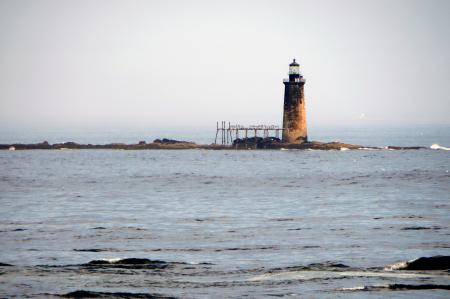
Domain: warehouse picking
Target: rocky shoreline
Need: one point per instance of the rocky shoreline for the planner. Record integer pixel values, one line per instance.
(249, 143)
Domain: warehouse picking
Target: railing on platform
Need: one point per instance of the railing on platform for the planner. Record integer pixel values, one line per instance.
(229, 132)
(301, 79)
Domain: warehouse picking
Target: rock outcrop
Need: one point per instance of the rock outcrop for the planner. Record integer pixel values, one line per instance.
(245, 143)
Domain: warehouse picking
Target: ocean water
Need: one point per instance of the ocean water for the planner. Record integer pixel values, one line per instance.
(226, 224)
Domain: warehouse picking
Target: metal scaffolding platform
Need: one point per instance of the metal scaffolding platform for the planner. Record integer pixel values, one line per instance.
(229, 132)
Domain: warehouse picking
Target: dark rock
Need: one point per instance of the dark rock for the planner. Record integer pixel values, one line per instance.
(420, 228)
(405, 147)
(5, 265)
(71, 145)
(438, 262)
(259, 142)
(138, 261)
(327, 265)
(43, 145)
(168, 141)
(415, 228)
(400, 287)
(92, 294)
(134, 263)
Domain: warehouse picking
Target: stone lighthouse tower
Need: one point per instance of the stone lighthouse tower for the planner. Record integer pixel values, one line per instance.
(294, 114)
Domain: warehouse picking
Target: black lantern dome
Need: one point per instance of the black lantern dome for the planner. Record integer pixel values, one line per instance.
(294, 70)
(294, 63)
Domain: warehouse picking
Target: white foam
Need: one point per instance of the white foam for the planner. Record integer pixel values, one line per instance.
(344, 149)
(438, 147)
(290, 275)
(365, 288)
(112, 260)
(385, 274)
(308, 274)
(397, 266)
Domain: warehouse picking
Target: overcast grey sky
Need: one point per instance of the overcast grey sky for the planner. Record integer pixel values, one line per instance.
(174, 63)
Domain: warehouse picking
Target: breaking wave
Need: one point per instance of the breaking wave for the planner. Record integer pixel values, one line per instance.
(438, 147)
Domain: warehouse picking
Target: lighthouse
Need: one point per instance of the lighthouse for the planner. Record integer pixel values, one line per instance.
(294, 114)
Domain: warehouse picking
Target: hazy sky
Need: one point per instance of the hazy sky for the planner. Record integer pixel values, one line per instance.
(175, 63)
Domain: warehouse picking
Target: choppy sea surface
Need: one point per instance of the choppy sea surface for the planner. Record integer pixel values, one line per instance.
(226, 224)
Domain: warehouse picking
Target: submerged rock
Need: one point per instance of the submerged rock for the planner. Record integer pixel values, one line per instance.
(397, 287)
(90, 250)
(400, 287)
(325, 266)
(391, 147)
(138, 263)
(92, 294)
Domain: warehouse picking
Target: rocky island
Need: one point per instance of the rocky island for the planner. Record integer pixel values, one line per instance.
(170, 144)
